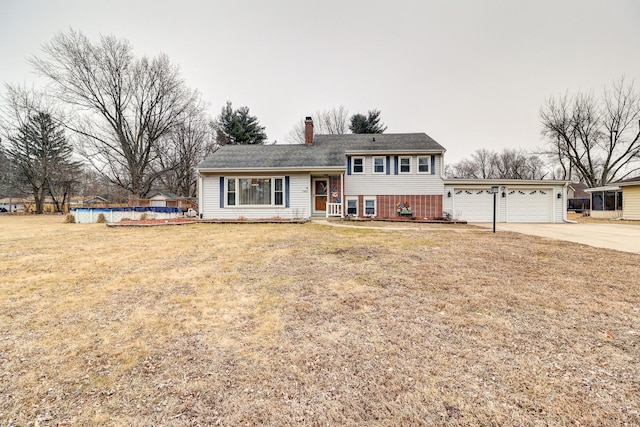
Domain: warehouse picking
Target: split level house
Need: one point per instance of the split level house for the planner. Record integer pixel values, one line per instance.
(361, 175)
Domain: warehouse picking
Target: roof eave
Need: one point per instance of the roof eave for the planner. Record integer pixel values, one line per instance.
(468, 181)
(273, 169)
(395, 152)
(624, 184)
(604, 188)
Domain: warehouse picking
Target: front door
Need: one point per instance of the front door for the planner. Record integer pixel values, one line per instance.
(320, 188)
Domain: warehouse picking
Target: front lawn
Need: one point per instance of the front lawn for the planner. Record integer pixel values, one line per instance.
(305, 324)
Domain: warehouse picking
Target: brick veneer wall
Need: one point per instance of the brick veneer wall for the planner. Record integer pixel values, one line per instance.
(422, 206)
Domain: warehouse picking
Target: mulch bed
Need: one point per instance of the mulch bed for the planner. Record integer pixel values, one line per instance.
(188, 221)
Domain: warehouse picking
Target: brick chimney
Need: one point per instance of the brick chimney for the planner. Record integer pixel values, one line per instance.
(308, 130)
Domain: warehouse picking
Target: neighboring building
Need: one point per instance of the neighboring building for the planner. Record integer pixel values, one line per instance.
(165, 199)
(13, 204)
(606, 201)
(631, 197)
(361, 175)
(619, 199)
(96, 201)
(578, 199)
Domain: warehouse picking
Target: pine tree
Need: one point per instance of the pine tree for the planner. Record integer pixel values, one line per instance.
(42, 157)
(238, 127)
(367, 124)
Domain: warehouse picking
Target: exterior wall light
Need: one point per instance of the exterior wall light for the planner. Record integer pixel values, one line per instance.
(449, 194)
(559, 196)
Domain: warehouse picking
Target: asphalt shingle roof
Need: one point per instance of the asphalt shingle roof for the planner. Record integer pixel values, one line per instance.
(326, 151)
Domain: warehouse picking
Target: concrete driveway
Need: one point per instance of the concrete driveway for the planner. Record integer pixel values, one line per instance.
(621, 237)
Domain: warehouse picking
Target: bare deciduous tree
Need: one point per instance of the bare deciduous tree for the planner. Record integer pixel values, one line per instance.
(123, 105)
(328, 122)
(598, 139)
(186, 146)
(507, 164)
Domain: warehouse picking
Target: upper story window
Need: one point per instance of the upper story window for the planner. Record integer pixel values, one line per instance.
(378, 165)
(404, 164)
(424, 164)
(357, 165)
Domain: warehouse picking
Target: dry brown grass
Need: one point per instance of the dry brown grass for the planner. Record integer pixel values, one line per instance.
(585, 218)
(312, 325)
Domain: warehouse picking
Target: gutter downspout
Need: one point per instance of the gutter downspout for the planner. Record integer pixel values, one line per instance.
(564, 206)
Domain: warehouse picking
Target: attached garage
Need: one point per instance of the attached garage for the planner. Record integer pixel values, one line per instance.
(472, 203)
(516, 200)
(529, 205)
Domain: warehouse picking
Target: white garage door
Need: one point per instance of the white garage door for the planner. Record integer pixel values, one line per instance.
(528, 205)
(473, 205)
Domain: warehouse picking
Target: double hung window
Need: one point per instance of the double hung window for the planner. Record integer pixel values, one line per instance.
(405, 164)
(424, 164)
(378, 165)
(370, 207)
(357, 165)
(352, 207)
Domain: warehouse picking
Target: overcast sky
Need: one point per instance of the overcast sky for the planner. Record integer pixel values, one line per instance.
(470, 73)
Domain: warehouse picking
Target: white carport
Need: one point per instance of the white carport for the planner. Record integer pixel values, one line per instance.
(542, 201)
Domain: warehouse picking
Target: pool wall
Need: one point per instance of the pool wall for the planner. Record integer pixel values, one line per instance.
(134, 213)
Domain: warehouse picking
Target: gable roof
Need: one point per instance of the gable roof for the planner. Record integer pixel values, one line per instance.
(326, 152)
(578, 190)
(612, 186)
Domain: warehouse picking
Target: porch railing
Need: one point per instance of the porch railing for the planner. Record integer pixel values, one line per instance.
(334, 209)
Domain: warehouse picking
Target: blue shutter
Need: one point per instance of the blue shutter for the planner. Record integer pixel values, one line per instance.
(348, 165)
(388, 165)
(395, 165)
(433, 165)
(286, 191)
(221, 192)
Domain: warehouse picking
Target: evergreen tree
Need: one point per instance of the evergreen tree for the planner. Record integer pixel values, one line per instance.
(367, 124)
(238, 127)
(42, 158)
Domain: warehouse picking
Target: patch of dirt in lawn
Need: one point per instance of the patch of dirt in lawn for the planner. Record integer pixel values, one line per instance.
(308, 324)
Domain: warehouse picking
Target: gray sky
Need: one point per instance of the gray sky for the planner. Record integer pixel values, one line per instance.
(470, 73)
